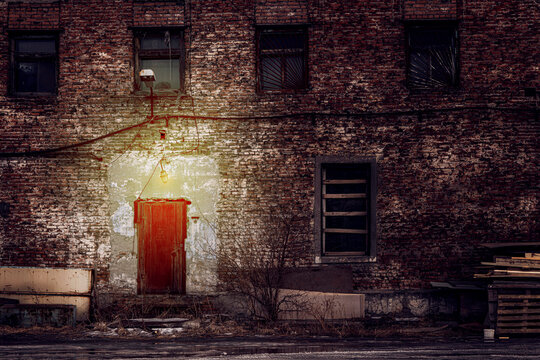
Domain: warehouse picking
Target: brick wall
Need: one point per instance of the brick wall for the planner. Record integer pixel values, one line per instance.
(430, 10)
(38, 15)
(282, 12)
(460, 173)
(164, 13)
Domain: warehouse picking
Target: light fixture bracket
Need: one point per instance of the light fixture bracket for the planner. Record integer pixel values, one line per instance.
(147, 76)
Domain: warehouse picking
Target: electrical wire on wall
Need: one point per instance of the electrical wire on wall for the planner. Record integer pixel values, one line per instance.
(196, 118)
(167, 40)
(129, 146)
(167, 118)
(151, 176)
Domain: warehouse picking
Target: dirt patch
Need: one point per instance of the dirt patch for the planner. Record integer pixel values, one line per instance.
(220, 326)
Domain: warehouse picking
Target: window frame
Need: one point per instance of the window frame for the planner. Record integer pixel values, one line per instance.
(284, 29)
(371, 246)
(180, 54)
(451, 25)
(15, 58)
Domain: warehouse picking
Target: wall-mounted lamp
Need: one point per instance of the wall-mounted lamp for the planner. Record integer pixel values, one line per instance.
(163, 174)
(147, 76)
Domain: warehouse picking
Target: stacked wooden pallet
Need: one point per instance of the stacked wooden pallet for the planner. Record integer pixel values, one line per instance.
(518, 312)
(514, 289)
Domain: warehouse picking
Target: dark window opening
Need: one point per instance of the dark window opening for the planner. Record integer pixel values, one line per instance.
(432, 50)
(346, 202)
(34, 60)
(282, 59)
(163, 52)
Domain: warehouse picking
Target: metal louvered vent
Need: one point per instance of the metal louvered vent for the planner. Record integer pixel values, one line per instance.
(282, 59)
(432, 56)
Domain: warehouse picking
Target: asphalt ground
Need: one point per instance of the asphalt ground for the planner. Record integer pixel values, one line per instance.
(266, 347)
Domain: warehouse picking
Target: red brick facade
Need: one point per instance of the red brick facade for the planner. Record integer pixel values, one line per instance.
(430, 10)
(32, 16)
(456, 167)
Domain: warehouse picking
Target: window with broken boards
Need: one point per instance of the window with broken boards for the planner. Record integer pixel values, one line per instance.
(346, 191)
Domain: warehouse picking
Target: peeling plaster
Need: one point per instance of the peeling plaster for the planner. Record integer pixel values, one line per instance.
(122, 220)
(194, 178)
(103, 251)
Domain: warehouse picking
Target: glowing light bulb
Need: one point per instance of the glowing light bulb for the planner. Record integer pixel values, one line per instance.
(164, 176)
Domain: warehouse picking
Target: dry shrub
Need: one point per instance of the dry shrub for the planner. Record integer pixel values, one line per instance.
(253, 265)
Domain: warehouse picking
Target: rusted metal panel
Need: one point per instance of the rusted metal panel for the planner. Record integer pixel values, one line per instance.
(162, 257)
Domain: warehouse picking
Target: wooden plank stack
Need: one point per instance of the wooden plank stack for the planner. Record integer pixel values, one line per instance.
(526, 266)
(514, 290)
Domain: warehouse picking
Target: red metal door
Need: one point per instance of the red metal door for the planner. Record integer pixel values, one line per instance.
(161, 232)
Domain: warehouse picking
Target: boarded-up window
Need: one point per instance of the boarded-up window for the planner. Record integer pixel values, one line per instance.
(347, 207)
(163, 52)
(432, 50)
(34, 59)
(282, 58)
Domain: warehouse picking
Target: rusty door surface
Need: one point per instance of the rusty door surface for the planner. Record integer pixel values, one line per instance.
(161, 233)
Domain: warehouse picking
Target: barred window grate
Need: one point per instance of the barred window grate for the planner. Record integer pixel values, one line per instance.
(282, 59)
(432, 56)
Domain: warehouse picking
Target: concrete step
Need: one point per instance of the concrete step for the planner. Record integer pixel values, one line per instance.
(154, 322)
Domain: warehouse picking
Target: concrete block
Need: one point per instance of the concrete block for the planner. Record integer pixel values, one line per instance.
(314, 305)
(48, 286)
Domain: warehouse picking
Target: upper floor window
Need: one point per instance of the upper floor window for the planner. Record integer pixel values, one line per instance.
(34, 63)
(282, 55)
(432, 50)
(163, 52)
